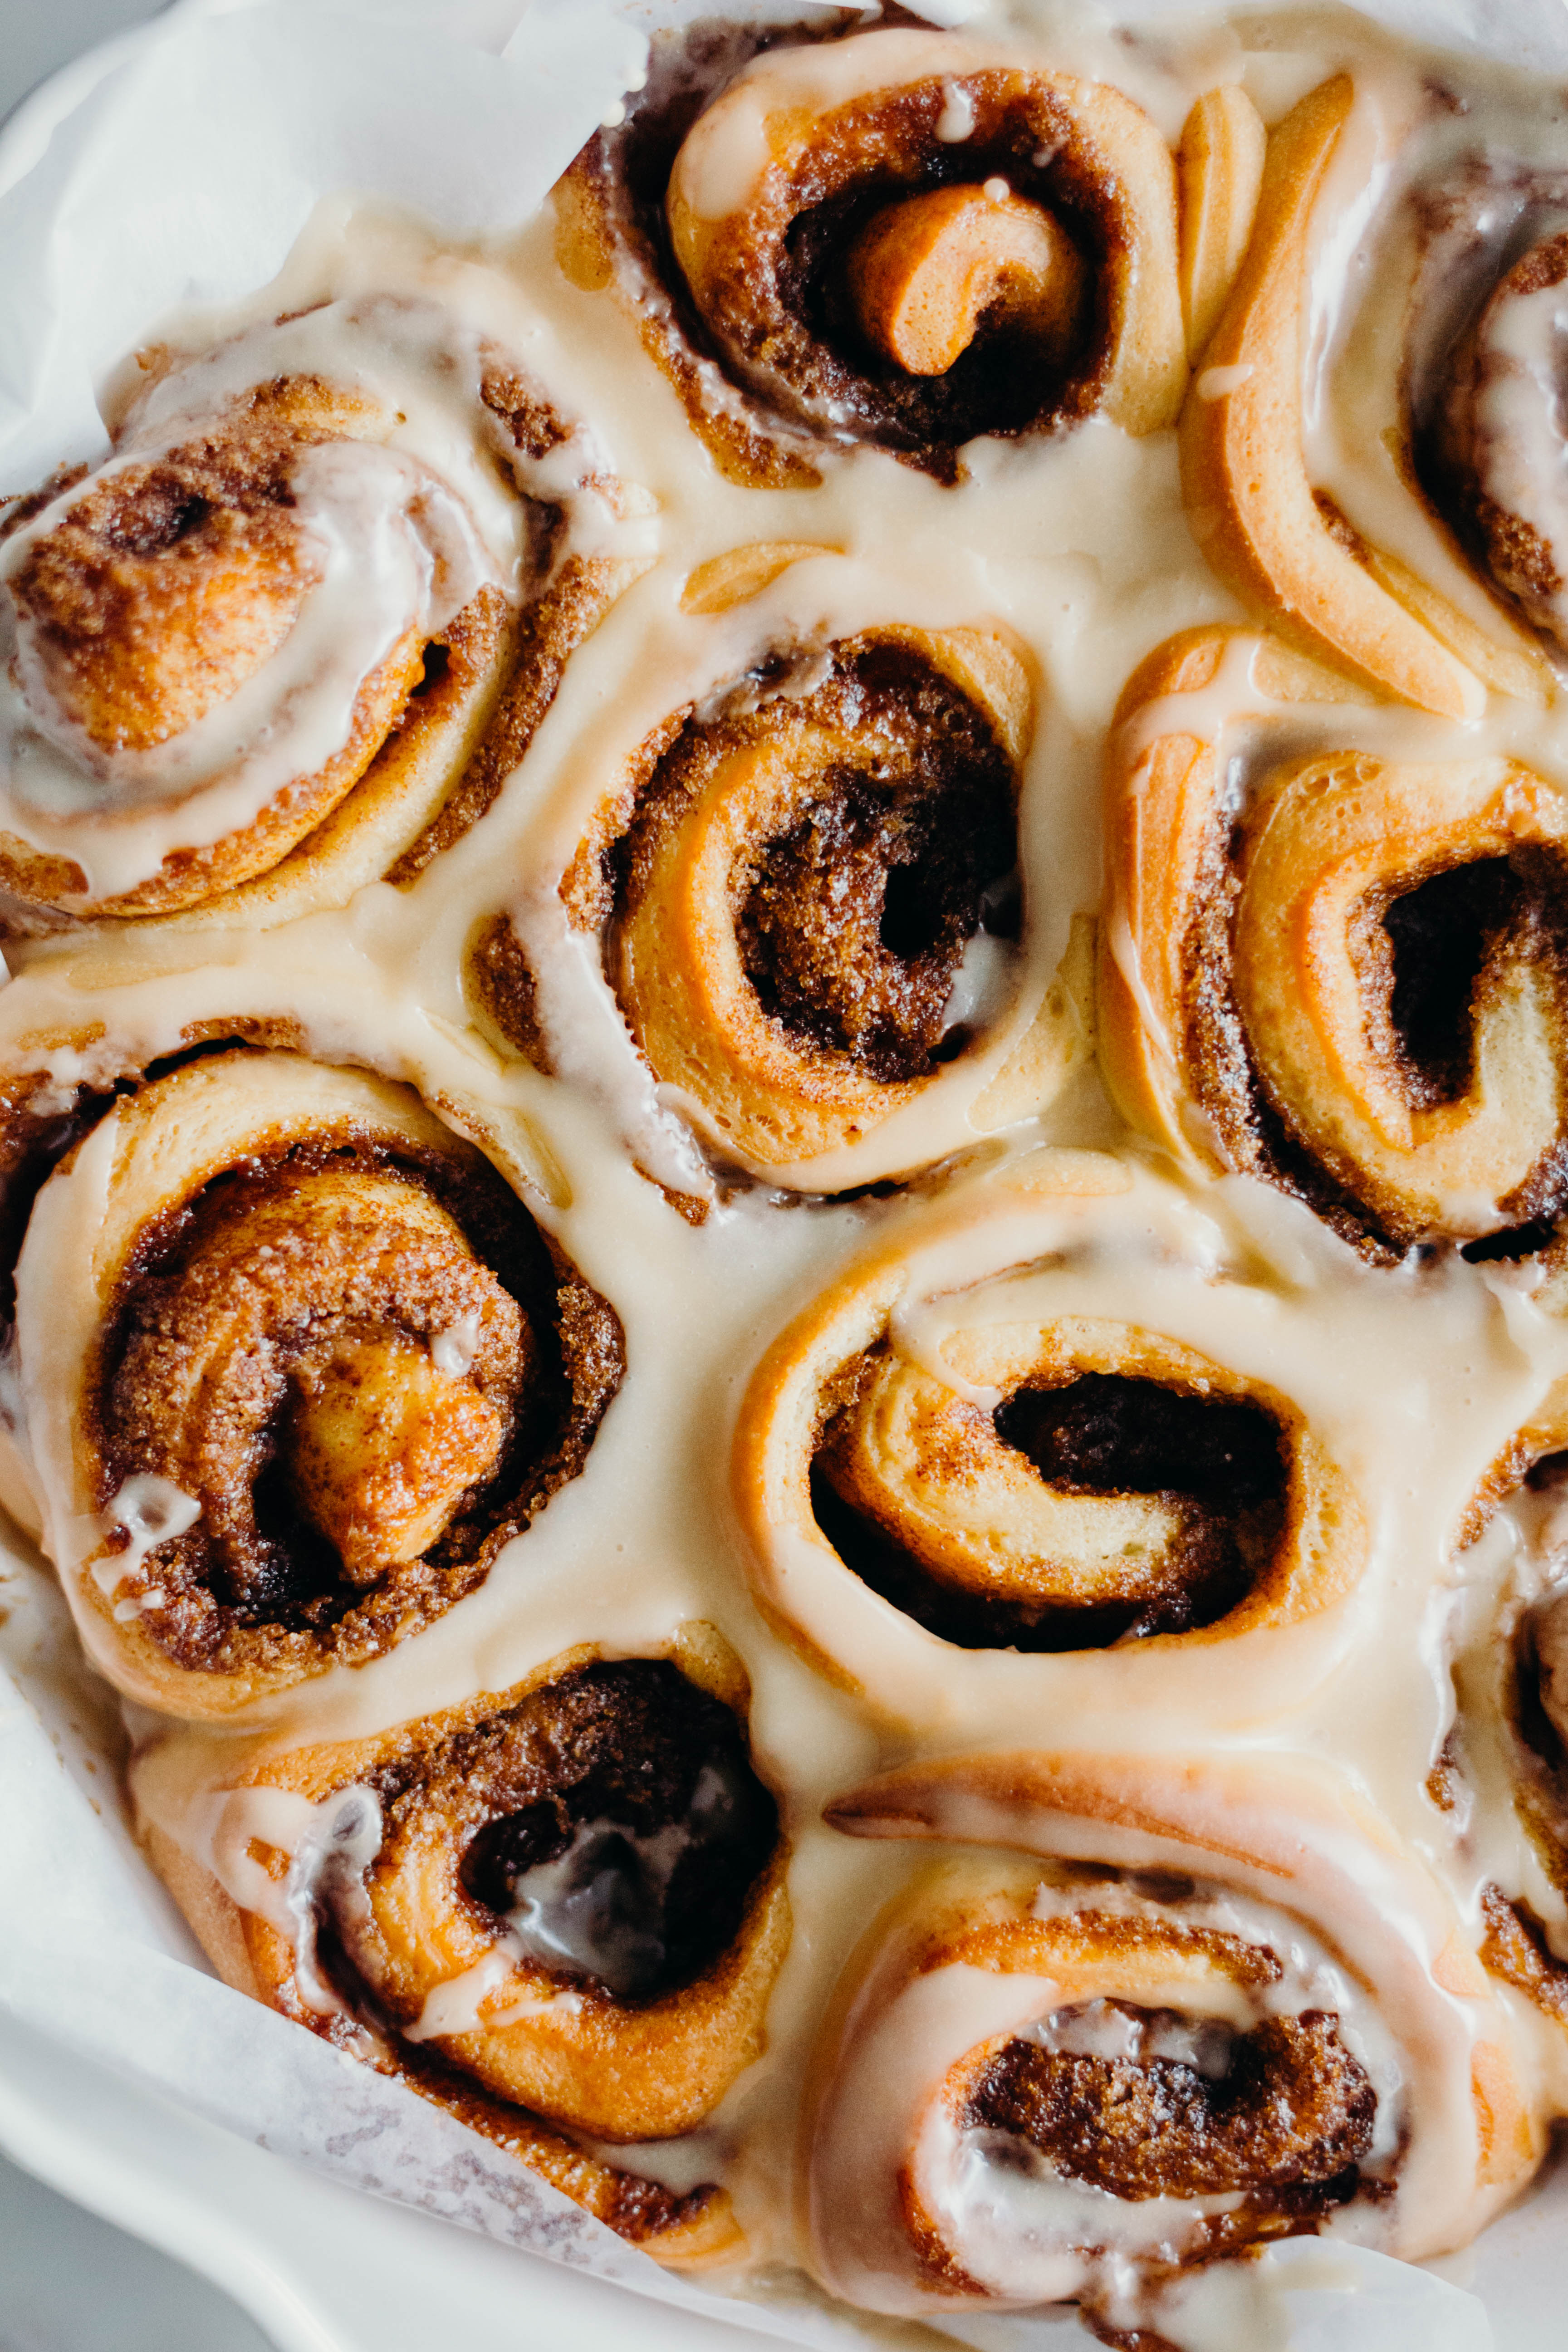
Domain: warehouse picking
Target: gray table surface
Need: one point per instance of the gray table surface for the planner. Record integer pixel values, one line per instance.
(69, 2283)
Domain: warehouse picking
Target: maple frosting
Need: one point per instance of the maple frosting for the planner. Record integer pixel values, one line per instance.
(1004, 1193)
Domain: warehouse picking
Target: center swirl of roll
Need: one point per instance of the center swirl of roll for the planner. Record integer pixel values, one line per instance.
(298, 1373)
(959, 248)
(1415, 1047)
(853, 924)
(1350, 977)
(623, 1830)
(281, 592)
(812, 905)
(338, 1369)
(1494, 449)
(578, 1896)
(170, 580)
(1053, 2084)
(148, 602)
(1155, 2102)
(1097, 1501)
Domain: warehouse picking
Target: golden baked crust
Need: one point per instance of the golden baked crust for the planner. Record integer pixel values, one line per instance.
(1244, 475)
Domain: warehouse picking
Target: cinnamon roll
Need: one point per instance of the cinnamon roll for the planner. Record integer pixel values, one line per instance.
(902, 237)
(1502, 1776)
(982, 1440)
(1223, 2006)
(1280, 542)
(806, 894)
(1350, 979)
(1480, 433)
(557, 1910)
(294, 1364)
(293, 633)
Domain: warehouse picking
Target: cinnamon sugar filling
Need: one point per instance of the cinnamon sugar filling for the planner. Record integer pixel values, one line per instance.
(1279, 2115)
(32, 1146)
(370, 1369)
(1539, 1700)
(1218, 1466)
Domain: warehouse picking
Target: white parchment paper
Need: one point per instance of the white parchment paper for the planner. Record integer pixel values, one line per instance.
(177, 166)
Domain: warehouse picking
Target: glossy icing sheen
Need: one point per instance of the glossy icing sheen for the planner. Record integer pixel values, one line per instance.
(1414, 1377)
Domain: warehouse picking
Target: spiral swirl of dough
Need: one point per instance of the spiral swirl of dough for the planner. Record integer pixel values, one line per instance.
(1225, 2005)
(806, 895)
(557, 1910)
(966, 1449)
(321, 1367)
(271, 649)
(898, 238)
(1354, 986)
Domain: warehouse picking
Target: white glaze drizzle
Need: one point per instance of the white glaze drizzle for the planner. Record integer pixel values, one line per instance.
(956, 121)
(151, 1511)
(452, 1351)
(328, 1846)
